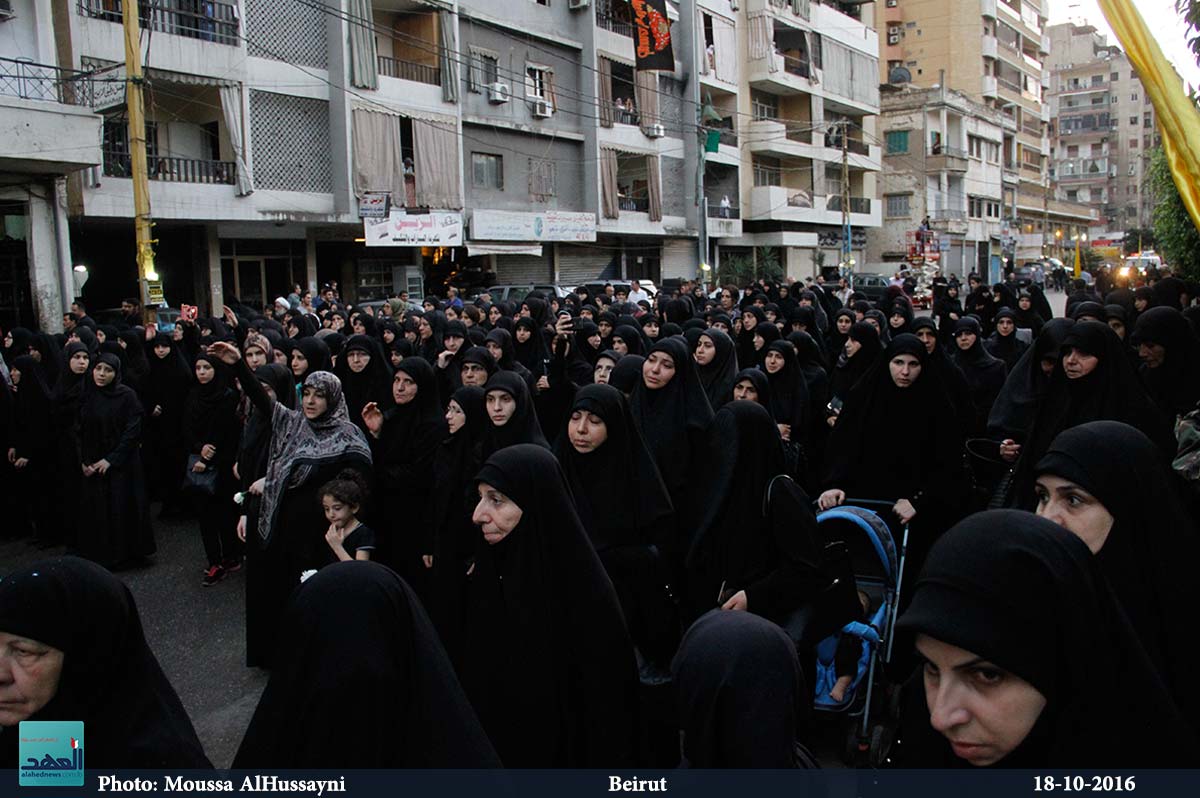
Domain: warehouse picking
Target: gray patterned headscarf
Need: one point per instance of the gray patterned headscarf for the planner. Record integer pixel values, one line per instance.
(298, 445)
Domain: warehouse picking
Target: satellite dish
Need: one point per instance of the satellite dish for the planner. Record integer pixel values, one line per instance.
(900, 75)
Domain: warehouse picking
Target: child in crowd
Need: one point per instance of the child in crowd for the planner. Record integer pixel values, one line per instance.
(342, 499)
(849, 650)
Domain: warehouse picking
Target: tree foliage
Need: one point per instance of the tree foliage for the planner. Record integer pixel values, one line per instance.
(1139, 238)
(1176, 237)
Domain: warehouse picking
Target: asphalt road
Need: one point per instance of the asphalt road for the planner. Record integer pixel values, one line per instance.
(198, 633)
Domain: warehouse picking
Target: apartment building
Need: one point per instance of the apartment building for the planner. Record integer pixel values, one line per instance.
(48, 131)
(992, 51)
(401, 144)
(1103, 128)
(943, 164)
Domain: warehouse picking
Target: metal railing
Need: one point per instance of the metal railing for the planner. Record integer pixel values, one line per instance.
(170, 169)
(797, 66)
(407, 70)
(1008, 84)
(729, 137)
(947, 215)
(641, 204)
(207, 20)
(857, 204)
(1033, 130)
(953, 152)
(715, 211)
(621, 27)
(31, 81)
(1032, 167)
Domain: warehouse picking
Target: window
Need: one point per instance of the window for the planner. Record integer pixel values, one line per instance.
(1133, 143)
(535, 82)
(1073, 195)
(975, 207)
(764, 105)
(487, 171)
(543, 2)
(1133, 98)
(975, 146)
(767, 172)
(897, 205)
(993, 152)
(483, 69)
(897, 142)
(1133, 120)
(1114, 77)
(993, 209)
(1147, 120)
(542, 179)
(1097, 80)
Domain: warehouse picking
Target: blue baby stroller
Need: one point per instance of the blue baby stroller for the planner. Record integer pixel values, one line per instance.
(878, 568)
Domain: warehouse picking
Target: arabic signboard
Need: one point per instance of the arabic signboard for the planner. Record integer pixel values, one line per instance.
(374, 205)
(543, 226)
(433, 229)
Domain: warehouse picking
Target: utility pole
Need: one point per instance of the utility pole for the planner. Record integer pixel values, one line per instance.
(151, 287)
(847, 246)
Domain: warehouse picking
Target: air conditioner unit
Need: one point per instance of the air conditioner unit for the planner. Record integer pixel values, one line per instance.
(499, 92)
(893, 36)
(656, 131)
(578, 5)
(542, 109)
(6, 11)
(733, 5)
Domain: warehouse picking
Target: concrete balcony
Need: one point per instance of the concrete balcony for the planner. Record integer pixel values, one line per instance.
(1046, 80)
(946, 159)
(988, 87)
(723, 222)
(952, 221)
(987, 8)
(990, 46)
(43, 118)
(779, 75)
(779, 203)
(1044, 44)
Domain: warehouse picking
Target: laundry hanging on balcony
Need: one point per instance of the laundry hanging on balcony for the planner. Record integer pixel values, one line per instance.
(652, 43)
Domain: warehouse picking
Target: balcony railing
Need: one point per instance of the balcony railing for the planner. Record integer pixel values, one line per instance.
(857, 204)
(170, 169)
(407, 70)
(729, 137)
(797, 66)
(207, 20)
(1031, 129)
(621, 27)
(30, 81)
(1032, 167)
(715, 211)
(947, 215)
(641, 204)
(953, 152)
(855, 146)
(1008, 84)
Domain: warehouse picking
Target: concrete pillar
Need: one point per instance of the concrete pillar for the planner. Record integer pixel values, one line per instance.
(42, 250)
(216, 287)
(310, 261)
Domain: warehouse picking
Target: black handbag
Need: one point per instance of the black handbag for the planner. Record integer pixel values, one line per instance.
(203, 482)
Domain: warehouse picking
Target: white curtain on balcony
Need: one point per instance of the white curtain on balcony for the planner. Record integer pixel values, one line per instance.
(609, 202)
(231, 105)
(378, 160)
(654, 188)
(646, 93)
(364, 60)
(448, 57)
(762, 38)
(437, 163)
(725, 47)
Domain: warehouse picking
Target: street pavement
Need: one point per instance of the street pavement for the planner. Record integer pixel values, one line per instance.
(199, 633)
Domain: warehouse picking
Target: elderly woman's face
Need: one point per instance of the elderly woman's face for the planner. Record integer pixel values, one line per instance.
(404, 388)
(984, 711)
(29, 675)
(496, 515)
(455, 417)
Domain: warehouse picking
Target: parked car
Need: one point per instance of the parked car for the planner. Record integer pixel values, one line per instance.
(509, 293)
(595, 287)
(376, 304)
(872, 286)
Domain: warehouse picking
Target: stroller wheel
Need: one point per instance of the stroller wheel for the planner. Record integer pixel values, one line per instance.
(850, 750)
(881, 746)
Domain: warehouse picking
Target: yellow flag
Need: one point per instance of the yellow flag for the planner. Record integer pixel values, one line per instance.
(1177, 117)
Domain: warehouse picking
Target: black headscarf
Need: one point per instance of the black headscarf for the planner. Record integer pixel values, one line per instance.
(742, 541)
(717, 376)
(1008, 348)
(618, 490)
(759, 378)
(413, 430)
(790, 402)
(632, 338)
(317, 353)
(673, 418)
(861, 459)
(523, 426)
(1148, 554)
(532, 354)
(850, 370)
(110, 678)
(1112, 391)
(432, 346)
(1026, 384)
(361, 672)
(985, 374)
(372, 384)
(627, 374)
(740, 693)
(746, 353)
(1175, 384)
(549, 665)
(503, 339)
(1063, 632)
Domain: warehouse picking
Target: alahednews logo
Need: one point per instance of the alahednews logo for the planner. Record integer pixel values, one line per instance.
(50, 753)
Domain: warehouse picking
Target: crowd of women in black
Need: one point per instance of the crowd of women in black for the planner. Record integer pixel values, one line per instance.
(593, 523)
